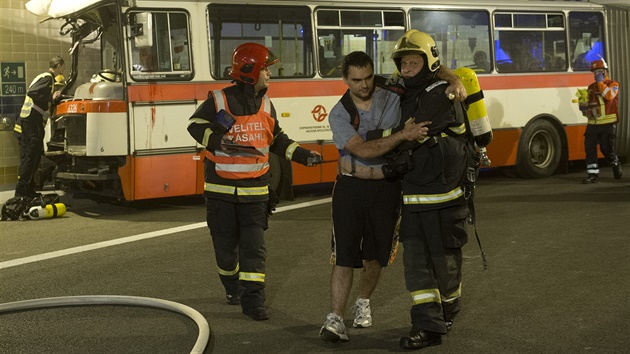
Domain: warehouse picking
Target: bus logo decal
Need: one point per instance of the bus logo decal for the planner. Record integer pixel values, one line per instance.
(319, 113)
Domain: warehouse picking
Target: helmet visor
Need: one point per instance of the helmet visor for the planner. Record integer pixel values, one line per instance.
(271, 59)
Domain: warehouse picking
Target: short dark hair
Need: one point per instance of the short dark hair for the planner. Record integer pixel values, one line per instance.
(357, 59)
(55, 62)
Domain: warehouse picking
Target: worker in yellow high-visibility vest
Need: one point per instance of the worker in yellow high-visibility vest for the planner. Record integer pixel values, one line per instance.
(29, 129)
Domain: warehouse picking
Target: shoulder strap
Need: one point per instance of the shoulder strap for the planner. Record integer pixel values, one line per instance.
(474, 98)
(219, 100)
(266, 102)
(350, 107)
(389, 84)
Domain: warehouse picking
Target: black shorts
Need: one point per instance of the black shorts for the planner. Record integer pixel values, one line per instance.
(364, 214)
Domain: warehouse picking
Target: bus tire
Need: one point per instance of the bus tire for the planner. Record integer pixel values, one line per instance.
(539, 150)
(275, 169)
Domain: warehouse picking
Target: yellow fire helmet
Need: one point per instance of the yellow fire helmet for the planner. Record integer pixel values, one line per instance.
(60, 80)
(416, 41)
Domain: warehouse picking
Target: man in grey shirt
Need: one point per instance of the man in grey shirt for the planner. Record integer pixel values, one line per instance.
(366, 204)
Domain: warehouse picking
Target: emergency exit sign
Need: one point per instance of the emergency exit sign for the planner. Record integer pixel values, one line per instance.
(13, 78)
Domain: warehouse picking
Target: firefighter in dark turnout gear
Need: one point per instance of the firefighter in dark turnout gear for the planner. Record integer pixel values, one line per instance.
(29, 128)
(434, 212)
(237, 173)
(602, 113)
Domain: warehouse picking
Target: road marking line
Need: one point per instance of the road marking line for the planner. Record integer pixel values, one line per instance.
(139, 237)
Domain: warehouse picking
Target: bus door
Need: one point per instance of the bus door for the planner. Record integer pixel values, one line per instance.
(165, 160)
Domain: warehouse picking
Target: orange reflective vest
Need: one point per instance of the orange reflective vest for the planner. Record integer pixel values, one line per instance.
(603, 102)
(253, 131)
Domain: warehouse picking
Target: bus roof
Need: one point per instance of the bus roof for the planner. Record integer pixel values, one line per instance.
(61, 8)
(64, 8)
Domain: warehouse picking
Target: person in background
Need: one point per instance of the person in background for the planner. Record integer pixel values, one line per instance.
(39, 102)
(434, 212)
(365, 203)
(603, 115)
(239, 128)
(148, 61)
(481, 61)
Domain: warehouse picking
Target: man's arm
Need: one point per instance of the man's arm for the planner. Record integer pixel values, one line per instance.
(455, 84)
(375, 148)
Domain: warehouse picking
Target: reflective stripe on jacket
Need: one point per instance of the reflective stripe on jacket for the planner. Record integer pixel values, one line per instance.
(28, 101)
(254, 130)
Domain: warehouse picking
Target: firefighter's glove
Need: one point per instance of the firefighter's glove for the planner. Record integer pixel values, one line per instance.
(599, 77)
(273, 201)
(314, 159)
(214, 142)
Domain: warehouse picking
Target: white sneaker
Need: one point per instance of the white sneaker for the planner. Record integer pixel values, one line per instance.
(363, 314)
(333, 329)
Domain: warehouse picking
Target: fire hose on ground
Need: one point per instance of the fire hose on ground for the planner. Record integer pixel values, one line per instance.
(91, 300)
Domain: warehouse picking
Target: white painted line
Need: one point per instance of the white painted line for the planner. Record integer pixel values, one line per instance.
(144, 236)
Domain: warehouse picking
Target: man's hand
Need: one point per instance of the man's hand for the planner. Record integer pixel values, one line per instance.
(455, 87)
(456, 91)
(56, 95)
(415, 131)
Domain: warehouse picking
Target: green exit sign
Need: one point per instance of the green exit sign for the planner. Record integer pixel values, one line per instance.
(13, 72)
(13, 78)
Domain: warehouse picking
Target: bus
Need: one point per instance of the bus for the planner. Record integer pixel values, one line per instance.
(139, 69)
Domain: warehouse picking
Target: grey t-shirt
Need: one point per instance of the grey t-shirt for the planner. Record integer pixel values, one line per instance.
(384, 113)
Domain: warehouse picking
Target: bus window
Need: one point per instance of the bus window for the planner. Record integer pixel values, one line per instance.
(286, 30)
(586, 33)
(461, 37)
(530, 42)
(169, 56)
(340, 32)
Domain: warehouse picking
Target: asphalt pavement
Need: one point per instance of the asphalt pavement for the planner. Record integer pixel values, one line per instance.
(556, 282)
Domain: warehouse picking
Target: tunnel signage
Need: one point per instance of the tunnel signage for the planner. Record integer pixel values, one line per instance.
(13, 78)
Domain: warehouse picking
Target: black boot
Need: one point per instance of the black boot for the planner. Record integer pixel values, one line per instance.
(590, 179)
(232, 299)
(257, 313)
(617, 170)
(419, 338)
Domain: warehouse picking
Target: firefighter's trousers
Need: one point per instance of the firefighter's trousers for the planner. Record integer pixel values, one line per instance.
(237, 231)
(432, 259)
(31, 144)
(605, 136)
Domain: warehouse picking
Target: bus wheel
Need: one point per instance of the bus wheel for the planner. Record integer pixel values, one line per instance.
(539, 150)
(276, 171)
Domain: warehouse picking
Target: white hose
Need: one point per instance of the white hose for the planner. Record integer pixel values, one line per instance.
(88, 300)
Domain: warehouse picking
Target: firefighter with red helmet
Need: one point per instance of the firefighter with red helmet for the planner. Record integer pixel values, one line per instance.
(239, 128)
(602, 113)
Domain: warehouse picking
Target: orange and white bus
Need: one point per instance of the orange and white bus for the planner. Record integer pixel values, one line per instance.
(139, 69)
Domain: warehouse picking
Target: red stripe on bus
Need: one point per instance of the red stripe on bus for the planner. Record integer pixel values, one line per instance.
(165, 91)
(91, 107)
(506, 82)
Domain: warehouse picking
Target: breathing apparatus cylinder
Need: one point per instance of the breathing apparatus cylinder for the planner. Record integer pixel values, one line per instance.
(477, 114)
(46, 212)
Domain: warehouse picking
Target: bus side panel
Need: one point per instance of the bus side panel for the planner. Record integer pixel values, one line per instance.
(575, 137)
(165, 176)
(126, 174)
(503, 149)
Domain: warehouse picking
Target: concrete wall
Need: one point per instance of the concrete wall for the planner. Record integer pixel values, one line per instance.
(23, 39)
